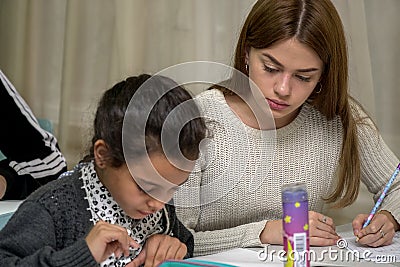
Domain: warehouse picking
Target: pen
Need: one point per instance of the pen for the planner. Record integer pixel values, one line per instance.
(381, 197)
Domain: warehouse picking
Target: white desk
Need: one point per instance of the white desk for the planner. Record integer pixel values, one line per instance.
(7, 206)
(250, 257)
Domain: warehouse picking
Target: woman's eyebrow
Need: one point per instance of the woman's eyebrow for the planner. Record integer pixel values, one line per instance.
(276, 62)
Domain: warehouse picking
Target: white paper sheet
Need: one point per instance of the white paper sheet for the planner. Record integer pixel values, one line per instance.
(250, 258)
(238, 257)
(386, 254)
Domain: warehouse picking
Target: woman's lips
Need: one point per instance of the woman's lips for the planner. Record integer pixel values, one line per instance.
(276, 105)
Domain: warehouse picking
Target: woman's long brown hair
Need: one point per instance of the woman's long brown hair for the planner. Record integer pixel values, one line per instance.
(316, 24)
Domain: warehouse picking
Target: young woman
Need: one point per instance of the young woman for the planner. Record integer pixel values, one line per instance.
(99, 211)
(294, 51)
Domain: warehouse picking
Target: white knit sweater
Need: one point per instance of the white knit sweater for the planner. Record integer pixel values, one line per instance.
(236, 185)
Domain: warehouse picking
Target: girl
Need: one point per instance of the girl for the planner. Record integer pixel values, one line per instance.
(98, 213)
(295, 53)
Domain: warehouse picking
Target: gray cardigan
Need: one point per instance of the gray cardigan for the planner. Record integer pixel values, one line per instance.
(49, 227)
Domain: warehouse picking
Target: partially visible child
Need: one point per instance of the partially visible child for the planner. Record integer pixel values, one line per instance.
(99, 211)
(33, 155)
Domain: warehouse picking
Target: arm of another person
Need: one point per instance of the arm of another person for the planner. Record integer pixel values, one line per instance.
(29, 239)
(209, 242)
(33, 157)
(187, 205)
(15, 186)
(256, 233)
(378, 163)
(3, 186)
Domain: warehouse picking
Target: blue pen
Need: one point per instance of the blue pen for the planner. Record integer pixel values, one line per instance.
(382, 196)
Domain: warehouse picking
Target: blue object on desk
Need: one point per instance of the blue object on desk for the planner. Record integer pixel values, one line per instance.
(4, 218)
(44, 123)
(192, 262)
(7, 208)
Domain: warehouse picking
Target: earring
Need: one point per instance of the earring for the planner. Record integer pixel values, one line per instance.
(247, 67)
(319, 89)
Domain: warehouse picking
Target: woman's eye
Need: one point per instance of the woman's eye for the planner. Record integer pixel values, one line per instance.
(269, 69)
(303, 78)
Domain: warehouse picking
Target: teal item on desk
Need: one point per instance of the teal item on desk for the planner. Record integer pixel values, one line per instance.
(192, 262)
(4, 218)
(2, 156)
(44, 123)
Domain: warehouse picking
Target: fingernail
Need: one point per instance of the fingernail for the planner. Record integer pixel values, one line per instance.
(356, 232)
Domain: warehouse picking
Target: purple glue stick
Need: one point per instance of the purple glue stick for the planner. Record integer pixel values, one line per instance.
(296, 241)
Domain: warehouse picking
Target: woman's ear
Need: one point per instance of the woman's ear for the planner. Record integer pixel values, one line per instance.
(100, 152)
(246, 56)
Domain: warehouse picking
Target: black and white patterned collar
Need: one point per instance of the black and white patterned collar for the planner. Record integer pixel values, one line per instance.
(102, 206)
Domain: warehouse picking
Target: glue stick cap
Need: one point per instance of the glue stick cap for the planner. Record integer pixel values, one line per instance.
(294, 192)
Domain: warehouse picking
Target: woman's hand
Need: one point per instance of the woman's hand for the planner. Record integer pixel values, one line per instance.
(159, 248)
(379, 232)
(321, 231)
(105, 239)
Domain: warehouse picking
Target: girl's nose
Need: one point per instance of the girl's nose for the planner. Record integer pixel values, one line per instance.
(155, 204)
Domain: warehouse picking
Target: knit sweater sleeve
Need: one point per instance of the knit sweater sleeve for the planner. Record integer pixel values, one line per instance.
(378, 163)
(30, 242)
(209, 242)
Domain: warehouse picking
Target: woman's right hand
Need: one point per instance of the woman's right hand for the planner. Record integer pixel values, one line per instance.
(105, 239)
(321, 231)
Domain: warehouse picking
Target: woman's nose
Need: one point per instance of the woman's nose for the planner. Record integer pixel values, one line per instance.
(282, 87)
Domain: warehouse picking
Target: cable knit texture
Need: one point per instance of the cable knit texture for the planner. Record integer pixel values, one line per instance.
(236, 185)
(49, 227)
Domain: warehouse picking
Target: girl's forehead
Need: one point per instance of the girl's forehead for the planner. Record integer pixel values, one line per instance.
(158, 170)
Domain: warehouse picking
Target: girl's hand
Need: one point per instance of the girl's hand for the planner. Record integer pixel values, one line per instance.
(321, 230)
(379, 232)
(105, 239)
(159, 248)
